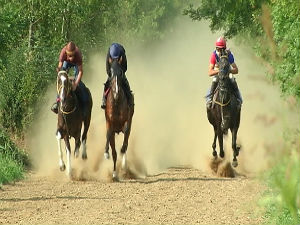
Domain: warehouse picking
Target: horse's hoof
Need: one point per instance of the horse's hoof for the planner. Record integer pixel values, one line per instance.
(235, 163)
(222, 154)
(84, 156)
(76, 154)
(115, 177)
(62, 168)
(215, 154)
(106, 155)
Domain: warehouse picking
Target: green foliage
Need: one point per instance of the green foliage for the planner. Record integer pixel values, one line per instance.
(286, 26)
(230, 16)
(13, 160)
(283, 201)
(33, 32)
(272, 27)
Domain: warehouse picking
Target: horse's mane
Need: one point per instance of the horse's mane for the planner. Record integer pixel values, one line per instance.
(116, 68)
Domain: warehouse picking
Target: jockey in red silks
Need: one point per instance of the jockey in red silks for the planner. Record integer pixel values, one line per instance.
(71, 57)
(213, 71)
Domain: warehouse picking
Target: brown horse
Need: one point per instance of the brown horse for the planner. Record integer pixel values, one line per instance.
(118, 114)
(225, 111)
(70, 118)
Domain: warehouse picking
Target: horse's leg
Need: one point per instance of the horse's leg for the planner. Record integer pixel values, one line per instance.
(60, 154)
(108, 137)
(234, 147)
(77, 145)
(214, 143)
(68, 151)
(220, 138)
(114, 155)
(125, 143)
(84, 137)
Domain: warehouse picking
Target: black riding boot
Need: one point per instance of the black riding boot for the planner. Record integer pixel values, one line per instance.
(106, 85)
(54, 107)
(128, 92)
(211, 94)
(237, 91)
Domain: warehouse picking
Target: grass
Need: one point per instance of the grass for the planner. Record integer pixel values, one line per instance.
(282, 201)
(13, 161)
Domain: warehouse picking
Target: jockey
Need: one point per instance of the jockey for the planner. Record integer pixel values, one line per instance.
(70, 56)
(117, 51)
(213, 71)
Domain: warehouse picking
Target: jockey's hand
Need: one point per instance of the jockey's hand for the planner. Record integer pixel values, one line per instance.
(74, 86)
(217, 71)
(57, 69)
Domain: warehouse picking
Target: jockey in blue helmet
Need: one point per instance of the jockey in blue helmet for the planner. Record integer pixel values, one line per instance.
(117, 52)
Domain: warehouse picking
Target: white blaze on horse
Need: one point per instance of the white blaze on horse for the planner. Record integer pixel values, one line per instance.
(118, 114)
(71, 116)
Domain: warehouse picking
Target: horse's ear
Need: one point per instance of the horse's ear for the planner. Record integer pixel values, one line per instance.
(120, 60)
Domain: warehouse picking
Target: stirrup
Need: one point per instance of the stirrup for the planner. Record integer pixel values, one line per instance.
(103, 105)
(54, 108)
(209, 104)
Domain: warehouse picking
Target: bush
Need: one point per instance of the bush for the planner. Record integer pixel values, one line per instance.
(13, 161)
(282, 201)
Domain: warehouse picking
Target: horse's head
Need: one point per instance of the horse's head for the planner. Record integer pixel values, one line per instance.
(224, 96)
(64, 85)
(116, 77)
(224, 68)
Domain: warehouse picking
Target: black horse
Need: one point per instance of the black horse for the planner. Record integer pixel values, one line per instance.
(225, 111)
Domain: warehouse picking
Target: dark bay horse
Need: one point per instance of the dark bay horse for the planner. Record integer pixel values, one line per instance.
(118, 114)
(225, 111)
(70, 119)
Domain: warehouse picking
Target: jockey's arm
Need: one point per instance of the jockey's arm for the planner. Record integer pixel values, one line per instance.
(59, 66)
(212, 71)
(234, 69)
(79, 76)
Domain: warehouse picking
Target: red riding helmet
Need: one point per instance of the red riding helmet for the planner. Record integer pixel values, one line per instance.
(221, 43)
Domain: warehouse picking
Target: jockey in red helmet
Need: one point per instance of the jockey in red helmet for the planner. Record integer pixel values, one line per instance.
(213, 70)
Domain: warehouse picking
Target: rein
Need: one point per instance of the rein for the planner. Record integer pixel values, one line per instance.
(222, 104)
(60, 108)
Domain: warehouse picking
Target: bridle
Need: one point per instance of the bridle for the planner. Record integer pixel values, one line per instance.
(68, 88)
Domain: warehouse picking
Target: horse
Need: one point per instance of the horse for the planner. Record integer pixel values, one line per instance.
(71, 116)
(225, 111)
(118, 115)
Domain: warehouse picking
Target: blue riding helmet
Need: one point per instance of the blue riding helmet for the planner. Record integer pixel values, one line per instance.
(115, 51)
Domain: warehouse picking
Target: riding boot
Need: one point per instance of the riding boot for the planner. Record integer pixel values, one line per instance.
(106, 85)
(237, 92)
(128, 92)
(211, 94)
(54, 107)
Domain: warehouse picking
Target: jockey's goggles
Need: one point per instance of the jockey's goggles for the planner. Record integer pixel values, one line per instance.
(218, 48)
(70, 53)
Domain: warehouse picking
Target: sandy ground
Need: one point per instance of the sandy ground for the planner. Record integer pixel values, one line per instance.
(169, 149)
(175, 196)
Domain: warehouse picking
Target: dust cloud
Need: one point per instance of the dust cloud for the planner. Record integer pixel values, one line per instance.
(170, 127)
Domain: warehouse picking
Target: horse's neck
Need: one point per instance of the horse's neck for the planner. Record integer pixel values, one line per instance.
(70, 101)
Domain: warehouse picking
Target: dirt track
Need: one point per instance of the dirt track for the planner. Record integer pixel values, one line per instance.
(175, 196)
(169, 129)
